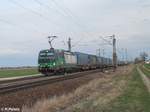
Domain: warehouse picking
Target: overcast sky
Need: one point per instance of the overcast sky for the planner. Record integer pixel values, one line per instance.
(25, 25)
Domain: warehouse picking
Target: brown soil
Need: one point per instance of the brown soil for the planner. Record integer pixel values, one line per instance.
(101, 90)
(30, 96)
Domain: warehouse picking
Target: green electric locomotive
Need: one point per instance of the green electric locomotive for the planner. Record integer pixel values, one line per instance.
(54, 60)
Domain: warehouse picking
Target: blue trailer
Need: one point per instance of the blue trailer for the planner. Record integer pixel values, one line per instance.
(82, 59)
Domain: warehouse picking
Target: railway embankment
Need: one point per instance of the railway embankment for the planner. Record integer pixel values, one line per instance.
(30, 95)
(93, 96)
(118, 91)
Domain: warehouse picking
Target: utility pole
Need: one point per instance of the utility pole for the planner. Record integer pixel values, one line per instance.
(123, 54)
(126, 55)
(99, 52)
(103, 52)
(50, 39)
(113, 44)
(103, 59)
(114, 52)
(69, 44)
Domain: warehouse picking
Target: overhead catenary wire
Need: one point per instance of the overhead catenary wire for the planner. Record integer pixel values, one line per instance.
(34, 12)
(21, 27)
(48, 7)
(43, 16)
(69, 13)
(108, 42)
(58, 11)
(7, 22)
(65, 10)
(13, 24)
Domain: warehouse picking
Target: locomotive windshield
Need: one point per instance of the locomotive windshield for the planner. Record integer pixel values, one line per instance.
(50, 54)
(46, 56)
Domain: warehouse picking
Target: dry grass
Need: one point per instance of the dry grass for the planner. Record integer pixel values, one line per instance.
(101, 91)
(59, 103)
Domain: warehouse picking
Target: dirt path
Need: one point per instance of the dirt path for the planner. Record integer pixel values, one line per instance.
(145, 79)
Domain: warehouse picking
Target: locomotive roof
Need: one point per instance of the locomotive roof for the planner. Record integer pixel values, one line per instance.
(56, 50)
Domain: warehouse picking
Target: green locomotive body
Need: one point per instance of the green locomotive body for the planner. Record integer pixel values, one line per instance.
(53, 60)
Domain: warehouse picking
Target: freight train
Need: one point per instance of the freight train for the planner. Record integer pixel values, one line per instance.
(61, 61)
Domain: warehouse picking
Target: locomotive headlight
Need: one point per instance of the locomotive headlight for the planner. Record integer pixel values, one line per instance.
(54, 63)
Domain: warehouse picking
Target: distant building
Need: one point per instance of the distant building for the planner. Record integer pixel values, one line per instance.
(147, 61)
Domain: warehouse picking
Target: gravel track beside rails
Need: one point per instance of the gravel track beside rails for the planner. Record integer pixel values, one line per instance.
(20, 79)
(17, 85)
(29, 96)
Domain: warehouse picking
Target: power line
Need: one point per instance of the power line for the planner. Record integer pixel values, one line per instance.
(18, 26)
(7, 22)
(65, 13)
(30, 10)
(65, 10)
(59, 7)
(33, 12)
(36, 13)
(10, 23)
(47, 6)
(69, 13)
(108, 42)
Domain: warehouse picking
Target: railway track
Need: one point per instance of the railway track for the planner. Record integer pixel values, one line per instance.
(20, 79)
(23, 84)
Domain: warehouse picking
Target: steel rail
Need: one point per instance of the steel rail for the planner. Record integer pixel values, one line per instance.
(24, 84)
(20, 79)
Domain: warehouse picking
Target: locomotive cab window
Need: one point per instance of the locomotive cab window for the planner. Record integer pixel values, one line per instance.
(42, 54)
(50, 54)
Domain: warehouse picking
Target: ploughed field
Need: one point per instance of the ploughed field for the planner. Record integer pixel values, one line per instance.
(4, 73)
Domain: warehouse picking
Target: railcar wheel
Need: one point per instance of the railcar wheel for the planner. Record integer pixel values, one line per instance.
(45, 74)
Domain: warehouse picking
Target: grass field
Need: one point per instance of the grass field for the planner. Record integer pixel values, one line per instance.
(123, 91)
(135, 98)
(145, 70)
(147, 66)
(19, 72)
